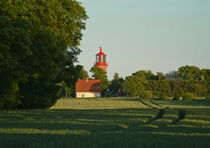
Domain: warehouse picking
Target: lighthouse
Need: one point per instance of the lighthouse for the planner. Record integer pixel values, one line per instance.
(101, 60)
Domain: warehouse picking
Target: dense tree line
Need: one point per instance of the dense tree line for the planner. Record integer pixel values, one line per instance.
(38, 51)
(187, 80)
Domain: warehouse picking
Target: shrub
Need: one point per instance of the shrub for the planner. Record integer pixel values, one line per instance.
(163, 96)
(188, 96)
(177, 97)
(145, 95)
(8, 94)
(207, 97)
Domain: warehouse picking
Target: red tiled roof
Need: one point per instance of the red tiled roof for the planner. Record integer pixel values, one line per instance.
(88, 85)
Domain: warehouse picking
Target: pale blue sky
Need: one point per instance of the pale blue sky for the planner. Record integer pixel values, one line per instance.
(156, 35)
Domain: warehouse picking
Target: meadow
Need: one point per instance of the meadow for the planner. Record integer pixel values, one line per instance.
(109, 122)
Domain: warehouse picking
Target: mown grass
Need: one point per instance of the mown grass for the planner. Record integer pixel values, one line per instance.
(98, 103)
(105, 123)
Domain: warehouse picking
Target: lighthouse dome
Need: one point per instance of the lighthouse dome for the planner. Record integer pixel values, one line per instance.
(101, 53)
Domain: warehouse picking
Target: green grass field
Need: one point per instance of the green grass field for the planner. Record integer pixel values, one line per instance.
(109, 122)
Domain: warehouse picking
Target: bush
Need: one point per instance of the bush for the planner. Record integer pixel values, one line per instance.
(207, 97)
(177, 97)
(162, 96)
(145, 95)
(8, 94)
(188, 96)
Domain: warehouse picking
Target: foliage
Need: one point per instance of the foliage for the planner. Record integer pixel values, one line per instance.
(8, 94)
(160, 76)
(39, 93)
(163, 96)
(145, 95)
(40, 48)
(15, 47)
(188, 96)
(83, 74)
(189, 73)
(63, 18)
(69, 77)
(116, 77)
(133, 85)
(177, 97)
(100, 74)
(116, 86)
(186, 79)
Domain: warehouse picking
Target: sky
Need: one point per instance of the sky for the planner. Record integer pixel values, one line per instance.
(156, 35)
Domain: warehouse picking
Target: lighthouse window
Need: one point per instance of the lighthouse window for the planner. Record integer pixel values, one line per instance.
(97, 58)
(102, 58)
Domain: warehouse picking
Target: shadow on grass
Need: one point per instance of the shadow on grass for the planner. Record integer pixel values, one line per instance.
(100, 128)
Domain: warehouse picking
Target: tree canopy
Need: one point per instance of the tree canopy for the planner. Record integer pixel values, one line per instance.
(134, 84)
(187, 80)
(189, 73)
(39, 44)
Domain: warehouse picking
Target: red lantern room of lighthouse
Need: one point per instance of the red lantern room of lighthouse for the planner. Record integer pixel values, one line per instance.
(101, 60)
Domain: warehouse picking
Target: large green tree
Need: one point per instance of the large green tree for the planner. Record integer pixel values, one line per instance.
(134, 85)
(55, 33)
(63, 18)
(189, 73)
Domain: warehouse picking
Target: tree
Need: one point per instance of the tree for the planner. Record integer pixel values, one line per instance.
(69, 77)
(63, 18)
(43, 67)
(133, 85)
(206, 78)
(189, 73)
(205, 75)
(188, 96)
(55, 33)
(163, 89)
(15, 47)
(100, 74)
(145, 94)
(116, 77)
(83, 74)
(160, 76)
(145, 74)
(116, 86)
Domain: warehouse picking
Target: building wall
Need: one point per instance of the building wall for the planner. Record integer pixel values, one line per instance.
(88, 94)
